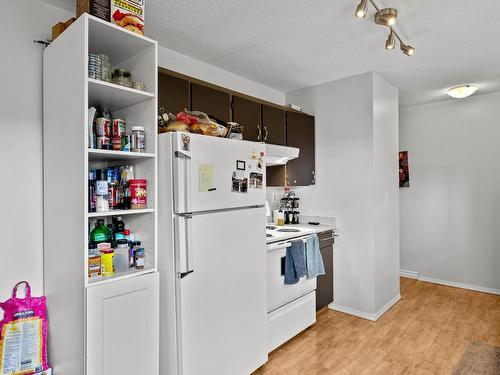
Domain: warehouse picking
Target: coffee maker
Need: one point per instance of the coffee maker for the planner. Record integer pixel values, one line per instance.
(290, 206)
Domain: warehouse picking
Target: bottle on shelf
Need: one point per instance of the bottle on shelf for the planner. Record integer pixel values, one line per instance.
(100, 234)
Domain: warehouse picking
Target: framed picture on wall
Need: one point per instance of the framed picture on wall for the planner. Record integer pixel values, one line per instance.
(404, 174)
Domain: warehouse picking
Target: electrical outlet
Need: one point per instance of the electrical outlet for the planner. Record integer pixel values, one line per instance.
(275, 197)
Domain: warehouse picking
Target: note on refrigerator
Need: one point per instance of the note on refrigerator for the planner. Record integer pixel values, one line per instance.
(206, 177)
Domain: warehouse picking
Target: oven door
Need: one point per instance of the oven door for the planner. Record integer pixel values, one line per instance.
(279, 294)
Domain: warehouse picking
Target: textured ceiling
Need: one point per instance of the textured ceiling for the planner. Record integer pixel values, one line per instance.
(290, 44)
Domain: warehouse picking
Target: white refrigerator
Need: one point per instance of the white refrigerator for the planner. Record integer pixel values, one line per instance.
(212, 255)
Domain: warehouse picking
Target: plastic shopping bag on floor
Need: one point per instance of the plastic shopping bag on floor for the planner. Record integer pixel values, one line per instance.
(23, 334)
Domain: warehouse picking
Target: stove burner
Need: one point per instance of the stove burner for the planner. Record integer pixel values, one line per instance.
(288, 230)
(268, 235)
(270, 227)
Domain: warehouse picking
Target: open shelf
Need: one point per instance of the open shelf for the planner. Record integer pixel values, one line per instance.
(105, 155)
(119, 276)
(115, 39)
(121, 212)
(113, 96)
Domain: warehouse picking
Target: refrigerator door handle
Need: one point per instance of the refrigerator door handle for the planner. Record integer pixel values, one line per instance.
(184, 245)
(182, 168)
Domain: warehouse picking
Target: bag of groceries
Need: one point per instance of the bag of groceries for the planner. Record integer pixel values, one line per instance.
(23, 334)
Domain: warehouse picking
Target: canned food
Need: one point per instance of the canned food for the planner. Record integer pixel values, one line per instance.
(125, 142)
(103, 143)
(103, 127)
(117, 143)
(118, 127)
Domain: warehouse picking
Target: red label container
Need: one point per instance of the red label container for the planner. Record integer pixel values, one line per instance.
(138, 194)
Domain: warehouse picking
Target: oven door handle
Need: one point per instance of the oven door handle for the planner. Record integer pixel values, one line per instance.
(277, 246)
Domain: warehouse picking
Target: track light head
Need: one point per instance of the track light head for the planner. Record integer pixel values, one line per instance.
(386, 17)
(390, 43)
(362, 9)
(407, 49)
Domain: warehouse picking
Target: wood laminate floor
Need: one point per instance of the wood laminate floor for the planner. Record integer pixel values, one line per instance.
(425, 333)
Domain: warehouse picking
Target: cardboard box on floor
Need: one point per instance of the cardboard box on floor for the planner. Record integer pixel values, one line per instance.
(128, 14)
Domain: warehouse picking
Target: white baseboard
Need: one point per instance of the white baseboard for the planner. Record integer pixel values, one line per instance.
(409, 274)
(415, 275)
(363, 314)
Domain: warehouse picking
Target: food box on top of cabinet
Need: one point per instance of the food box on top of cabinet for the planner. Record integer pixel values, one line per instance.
(98, 8)
(128, 14)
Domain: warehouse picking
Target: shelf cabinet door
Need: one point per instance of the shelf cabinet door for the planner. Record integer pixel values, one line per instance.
(324, 287)
(213, 102)
(300, 134)
(273, 125)
(247, 113)
(173, 93)
(123, 327)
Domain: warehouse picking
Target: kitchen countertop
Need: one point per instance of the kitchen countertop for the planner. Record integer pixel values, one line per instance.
(305, 229)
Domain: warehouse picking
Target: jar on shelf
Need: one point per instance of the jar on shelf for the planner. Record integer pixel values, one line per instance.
(122, 77)
(138, 139)
(106, 69)
(139, 258)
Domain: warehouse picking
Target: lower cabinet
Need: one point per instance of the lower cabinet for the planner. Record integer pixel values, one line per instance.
(122, 327)
(324, 287)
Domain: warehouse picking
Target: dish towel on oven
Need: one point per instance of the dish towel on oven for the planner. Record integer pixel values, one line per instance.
(314, 261)
(295, 262)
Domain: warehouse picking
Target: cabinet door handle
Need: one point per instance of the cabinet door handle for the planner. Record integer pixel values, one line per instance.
(313, 177)
(265, 133)
(259, 132)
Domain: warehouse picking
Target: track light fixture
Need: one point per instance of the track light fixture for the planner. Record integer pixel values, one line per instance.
(385, 17)
(390, 43)
(362, 9)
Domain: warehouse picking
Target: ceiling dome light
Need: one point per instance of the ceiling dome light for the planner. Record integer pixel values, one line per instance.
(462, 91)
(386, 17)
(362, 9)
(407, 49)
(390, 43)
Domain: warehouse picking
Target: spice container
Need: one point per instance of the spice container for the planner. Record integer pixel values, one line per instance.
(138, 194)
(138, 139)
(139, 258)
(103, 133)
(122, 77)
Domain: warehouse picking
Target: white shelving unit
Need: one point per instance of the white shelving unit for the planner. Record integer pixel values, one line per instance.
(95, 324)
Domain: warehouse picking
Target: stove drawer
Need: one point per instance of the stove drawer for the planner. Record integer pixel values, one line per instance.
(291, 319)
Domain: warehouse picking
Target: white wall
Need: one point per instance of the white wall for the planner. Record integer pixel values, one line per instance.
(386, 190)
(356, 134)
(21, 152)
(21, 125)
(450, 213)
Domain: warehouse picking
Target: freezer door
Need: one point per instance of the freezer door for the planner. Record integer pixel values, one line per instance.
(221, 305)
(213, 173)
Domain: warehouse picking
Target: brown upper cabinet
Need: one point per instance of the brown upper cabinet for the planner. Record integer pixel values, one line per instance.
(300, 134)
(213, 102)
(273, 125)
(173, 93)
(247, 113)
